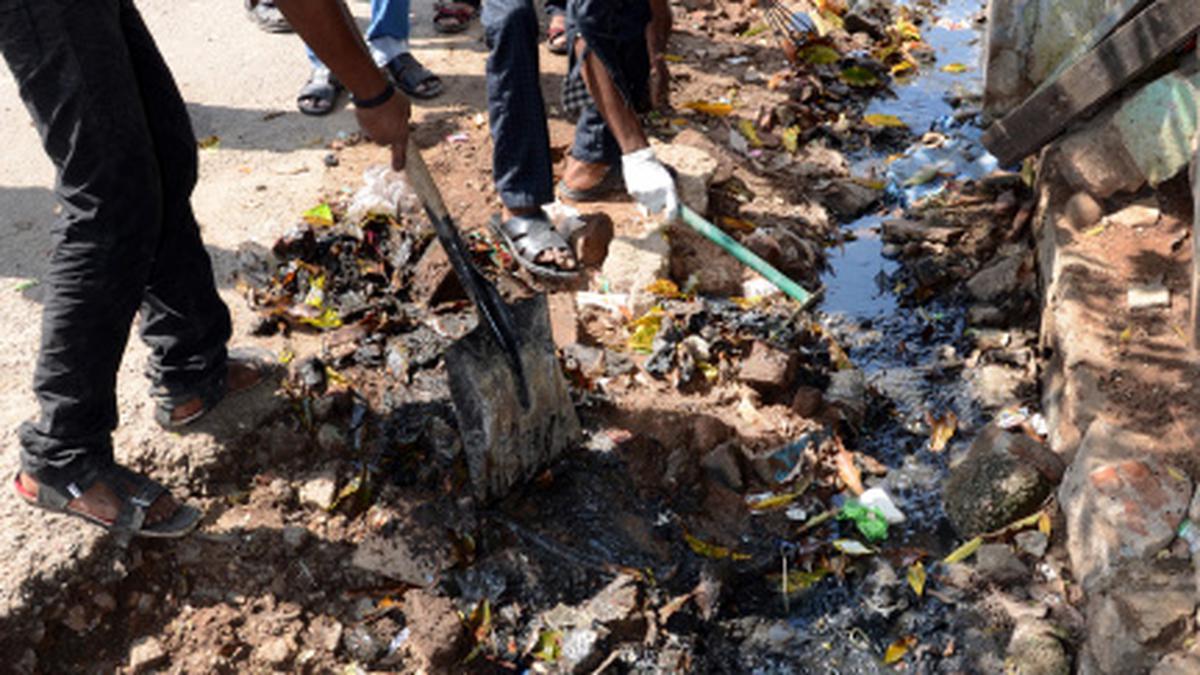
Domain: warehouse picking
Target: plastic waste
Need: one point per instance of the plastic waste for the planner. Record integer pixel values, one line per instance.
(1190, 532)
(384, 192)
(878, 498)
(869, 520)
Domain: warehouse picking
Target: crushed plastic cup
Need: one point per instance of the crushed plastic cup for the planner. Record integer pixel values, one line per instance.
(878, 498)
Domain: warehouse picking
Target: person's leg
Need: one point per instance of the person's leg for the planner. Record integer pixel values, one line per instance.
(77, 79)
(521, 140)
(387, 36)
(610, 41)
(184, 320)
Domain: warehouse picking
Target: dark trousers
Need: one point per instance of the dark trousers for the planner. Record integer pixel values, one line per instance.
(521, 142)
(114, 124)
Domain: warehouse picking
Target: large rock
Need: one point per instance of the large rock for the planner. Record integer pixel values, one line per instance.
(1158, 123)
(1004, 477)
(633, 263)
(1179, 663)
(1036, 649)
(1144, 610)
(1000, 280)
(694, 171)
(1119, 504)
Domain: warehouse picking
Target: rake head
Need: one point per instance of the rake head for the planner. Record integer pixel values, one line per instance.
(792, 26)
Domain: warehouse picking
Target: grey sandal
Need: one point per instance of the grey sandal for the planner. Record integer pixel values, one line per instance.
(528, 237)
(137, 494)
(319, 95)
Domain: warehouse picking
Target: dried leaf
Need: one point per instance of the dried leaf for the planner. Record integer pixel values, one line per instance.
(1045, 524)
(672, 58)
(644, 330)
(737, 224)
(328, 319)
(549, 646)
(320, 215)
(838, 356)
(709, 371)
(903, 68)
(955, 68)
(209, 142)
(853, 547)
(916, 578)
(847, 470)
(664, 288)
(801, 581)
(480, 621)
(925, 175)
(1126, 335)
(747, 129)
(791, 139)
(713, 551)
(356, 493)
(942, 429)
(858, 76)
(885, 121)
(898, 649)
(1096, 230)
(965, 551)
(714, 108)
(819, 55)
(771, 501)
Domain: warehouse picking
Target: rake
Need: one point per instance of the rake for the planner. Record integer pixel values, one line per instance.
(794, 27)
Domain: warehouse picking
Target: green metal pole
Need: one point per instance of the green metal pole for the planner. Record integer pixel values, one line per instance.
(746, 256)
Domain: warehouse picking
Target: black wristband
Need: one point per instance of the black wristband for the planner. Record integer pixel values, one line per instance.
(376, 101)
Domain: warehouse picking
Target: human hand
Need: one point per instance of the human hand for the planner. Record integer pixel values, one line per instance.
(387, 124)
(649, 182)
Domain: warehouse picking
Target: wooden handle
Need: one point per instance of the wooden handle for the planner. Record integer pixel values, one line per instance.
(422, 183)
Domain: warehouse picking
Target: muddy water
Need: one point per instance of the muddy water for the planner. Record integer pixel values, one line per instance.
(911, 357)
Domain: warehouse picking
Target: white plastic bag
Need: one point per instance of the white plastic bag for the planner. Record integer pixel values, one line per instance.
(383, 192)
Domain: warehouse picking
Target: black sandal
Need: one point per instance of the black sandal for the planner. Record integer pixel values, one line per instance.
(528, 237)
(413, 78)
(211, 393)
(319, 94)
(137, 494)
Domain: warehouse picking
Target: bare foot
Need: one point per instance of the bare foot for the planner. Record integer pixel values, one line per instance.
(241, 376)
(100, 503)
(583, 176)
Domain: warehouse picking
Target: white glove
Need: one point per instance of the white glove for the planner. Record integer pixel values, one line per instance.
(649, 182)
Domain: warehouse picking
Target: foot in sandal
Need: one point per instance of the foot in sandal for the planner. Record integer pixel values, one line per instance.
(117, 500)
(454, 17)
(535, 244)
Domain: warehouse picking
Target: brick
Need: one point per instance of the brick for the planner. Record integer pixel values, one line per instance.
(768, 368)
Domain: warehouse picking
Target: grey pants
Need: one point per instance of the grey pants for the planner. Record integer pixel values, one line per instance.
(114, 124)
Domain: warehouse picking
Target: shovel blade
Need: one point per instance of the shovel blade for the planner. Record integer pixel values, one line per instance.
(506, 443)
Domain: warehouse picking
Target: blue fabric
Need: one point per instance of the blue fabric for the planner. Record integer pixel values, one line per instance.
(521, 163)
(389, 26)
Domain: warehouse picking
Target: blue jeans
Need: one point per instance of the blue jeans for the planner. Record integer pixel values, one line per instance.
(118, 133)
(387, 34)
(521, 163)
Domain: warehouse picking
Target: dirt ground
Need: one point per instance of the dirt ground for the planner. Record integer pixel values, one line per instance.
(633, 530)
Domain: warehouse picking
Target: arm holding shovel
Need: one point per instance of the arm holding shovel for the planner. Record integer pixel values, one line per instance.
(329, 29)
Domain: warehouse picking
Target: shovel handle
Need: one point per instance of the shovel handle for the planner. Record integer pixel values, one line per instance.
(422, 183)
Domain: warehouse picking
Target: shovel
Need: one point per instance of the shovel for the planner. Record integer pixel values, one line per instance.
(514, 410)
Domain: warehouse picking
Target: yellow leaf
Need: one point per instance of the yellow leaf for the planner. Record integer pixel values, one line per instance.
(886, 121)
(549, 646)
(747, 303)
(286, 356)
(751, 134)
(916, 578)
(1045, 525)
(773, 501)
(664, 288)
(791, 139)
(907, 30)
(716, 109)
(858, 76)
(955, 68)
(965, 551)
(903, 67)
(1096, 230)
(209, 143)
(738, 224)
(710, 372)
(644, 330)
(801, 581)
(326, 320)
(819, 55)
(320, 215)
(672, 58)
(1022, 524)
(713, 551)
(1179, 332)
(898, 649)
(1126, 335)
(942, 429)
(841, 360)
